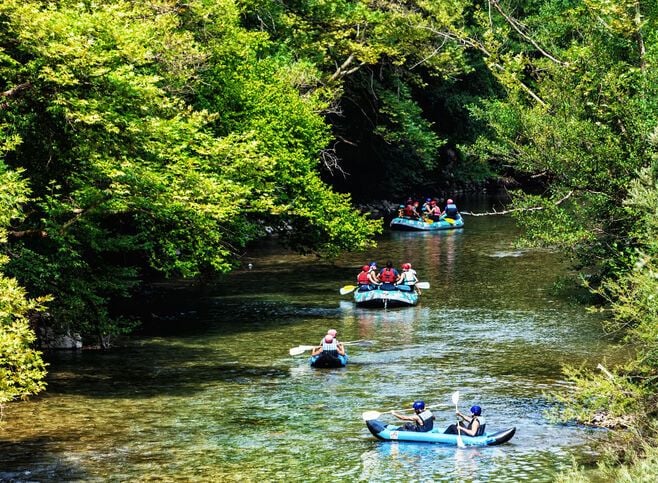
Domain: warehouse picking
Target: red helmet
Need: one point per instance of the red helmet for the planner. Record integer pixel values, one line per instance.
(449, 201)
(432, 203)
(365, 268)
(406, 266)
(329, 339)
(332, 332)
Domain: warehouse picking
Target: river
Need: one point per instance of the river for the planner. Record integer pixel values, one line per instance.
(215, 395)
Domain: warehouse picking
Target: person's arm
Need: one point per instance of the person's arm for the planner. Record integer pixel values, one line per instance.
(341, 349)
(404, 417)
(463, 417)
(474, 428)
(316, 350)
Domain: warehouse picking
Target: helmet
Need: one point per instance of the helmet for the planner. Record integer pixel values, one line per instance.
(406, 266)
(328, 338)
(428, 200)
(332, 332)
(419, 405)
(365, 268)
(373, 264)
(477, 410)
(449, 201)
(433, 203)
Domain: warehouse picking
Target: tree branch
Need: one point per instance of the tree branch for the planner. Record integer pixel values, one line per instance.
(518, 27)
(506, 212)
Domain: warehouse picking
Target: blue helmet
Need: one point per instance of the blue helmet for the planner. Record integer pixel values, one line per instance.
(477, 410)
(419, 405)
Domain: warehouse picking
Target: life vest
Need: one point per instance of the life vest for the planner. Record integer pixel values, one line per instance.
(362, 278)
(388, 275)
(451, 211)
(409, 211)
(428, 421)
(482, 422)
(330, 349)
(409, 278)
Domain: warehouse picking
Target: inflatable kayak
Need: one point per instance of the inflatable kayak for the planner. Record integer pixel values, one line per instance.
(325, 361)
(386, 298)
(389, 432)
(414, 224)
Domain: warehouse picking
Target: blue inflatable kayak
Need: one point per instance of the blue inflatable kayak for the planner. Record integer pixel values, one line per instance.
(403, 296)
(325, 361)
(414, 224)
(389, 432)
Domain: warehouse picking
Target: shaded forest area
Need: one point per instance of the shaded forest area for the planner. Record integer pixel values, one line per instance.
(159, 138)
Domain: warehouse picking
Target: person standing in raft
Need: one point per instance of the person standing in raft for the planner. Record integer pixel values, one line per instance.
(388, 276)
(472, 425)
(421, 421)
(330, 347)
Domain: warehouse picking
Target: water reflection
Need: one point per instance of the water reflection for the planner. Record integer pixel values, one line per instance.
(217, 397)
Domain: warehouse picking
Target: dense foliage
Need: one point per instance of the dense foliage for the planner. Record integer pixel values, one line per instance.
(160, 137)
(580, 114)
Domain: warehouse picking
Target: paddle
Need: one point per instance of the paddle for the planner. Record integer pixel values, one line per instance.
(369, 415)
(423, 285)
(347, 289)
(300, 349)
(455, 401)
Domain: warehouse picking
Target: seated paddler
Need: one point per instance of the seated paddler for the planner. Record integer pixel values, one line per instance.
(472, 425)
(330, 347)
(421, 421)
(363, 279)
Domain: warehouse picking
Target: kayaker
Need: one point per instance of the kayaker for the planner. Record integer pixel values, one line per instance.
(330, 347)
(421, 421)
(333, 333)
(472, 425)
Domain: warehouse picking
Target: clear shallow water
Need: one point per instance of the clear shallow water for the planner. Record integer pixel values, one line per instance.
(218, 398)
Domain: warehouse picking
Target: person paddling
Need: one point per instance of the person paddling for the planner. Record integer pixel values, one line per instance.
(421, 421)
(472, 425)
(329, 347)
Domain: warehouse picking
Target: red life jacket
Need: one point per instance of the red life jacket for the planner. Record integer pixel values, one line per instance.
(362, 278)
(409, 211)
(388, 275)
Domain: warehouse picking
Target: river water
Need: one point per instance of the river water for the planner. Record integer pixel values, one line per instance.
(215, 395)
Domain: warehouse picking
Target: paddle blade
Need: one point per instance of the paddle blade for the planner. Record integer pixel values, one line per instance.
(347, 289)
(455, 398)
(295, 351)
(423, 285)
(460, 441)
(370, 415)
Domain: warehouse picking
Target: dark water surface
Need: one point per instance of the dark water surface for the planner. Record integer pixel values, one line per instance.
(220, 399)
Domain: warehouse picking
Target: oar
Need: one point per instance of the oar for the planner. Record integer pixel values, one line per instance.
(423, 285)
(347, 289)
(369, 415)
(455, 401)
(300, 349)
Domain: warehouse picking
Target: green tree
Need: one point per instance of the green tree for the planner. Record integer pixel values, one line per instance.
(155, 137)
(22, 369)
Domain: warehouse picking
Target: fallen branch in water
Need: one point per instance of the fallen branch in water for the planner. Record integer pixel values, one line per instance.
(505, 212)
